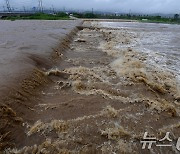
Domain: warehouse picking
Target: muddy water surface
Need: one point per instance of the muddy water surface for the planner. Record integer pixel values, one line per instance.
(101, 96)
(161, 42)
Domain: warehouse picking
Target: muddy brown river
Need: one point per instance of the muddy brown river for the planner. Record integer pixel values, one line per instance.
(113, 82)
(161, 42)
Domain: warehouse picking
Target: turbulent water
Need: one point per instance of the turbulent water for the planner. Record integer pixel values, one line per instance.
(160, 42)
(113, 83)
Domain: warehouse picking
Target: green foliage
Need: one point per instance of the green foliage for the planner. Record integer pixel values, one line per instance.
(78, 15)
(40, 16)
(85, 15)
(176, 17)
(61, 14)
(90, 15)
(148, 18)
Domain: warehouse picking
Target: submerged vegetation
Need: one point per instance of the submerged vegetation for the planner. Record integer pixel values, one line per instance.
(39, 16)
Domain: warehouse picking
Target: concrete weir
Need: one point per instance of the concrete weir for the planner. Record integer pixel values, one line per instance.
(87, 87)
(27, 50)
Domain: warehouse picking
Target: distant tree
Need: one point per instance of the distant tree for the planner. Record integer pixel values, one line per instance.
(62, 14)
(158, 17)
(90, 15)
(176, 16)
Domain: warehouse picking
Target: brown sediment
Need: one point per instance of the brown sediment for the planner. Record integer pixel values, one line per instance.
(16, 101)
(19, 98)
(109, 20)
(96, 99)
(64, 44)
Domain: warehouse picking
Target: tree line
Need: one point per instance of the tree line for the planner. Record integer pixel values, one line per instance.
(157, 18)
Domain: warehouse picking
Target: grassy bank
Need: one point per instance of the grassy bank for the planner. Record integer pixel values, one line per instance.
(64, 16)
(141, 18)
(39, 16)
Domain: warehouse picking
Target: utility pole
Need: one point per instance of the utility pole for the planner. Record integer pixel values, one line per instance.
(34, 9)
(40, 6)
(8, 6)
(53, 9)
(92, 11)
(12, 9)
(4, 9)
(24, 8)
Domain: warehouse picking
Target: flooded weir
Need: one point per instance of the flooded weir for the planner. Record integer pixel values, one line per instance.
(99, 91)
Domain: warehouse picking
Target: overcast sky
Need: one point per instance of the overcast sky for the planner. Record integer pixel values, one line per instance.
(133, 6)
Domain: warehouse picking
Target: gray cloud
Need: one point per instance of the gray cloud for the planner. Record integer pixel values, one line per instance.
(136, 6)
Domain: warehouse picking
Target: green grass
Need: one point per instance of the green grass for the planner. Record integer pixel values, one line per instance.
(64, 16)
(39, 16)
(168, 21)
(150, 19)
